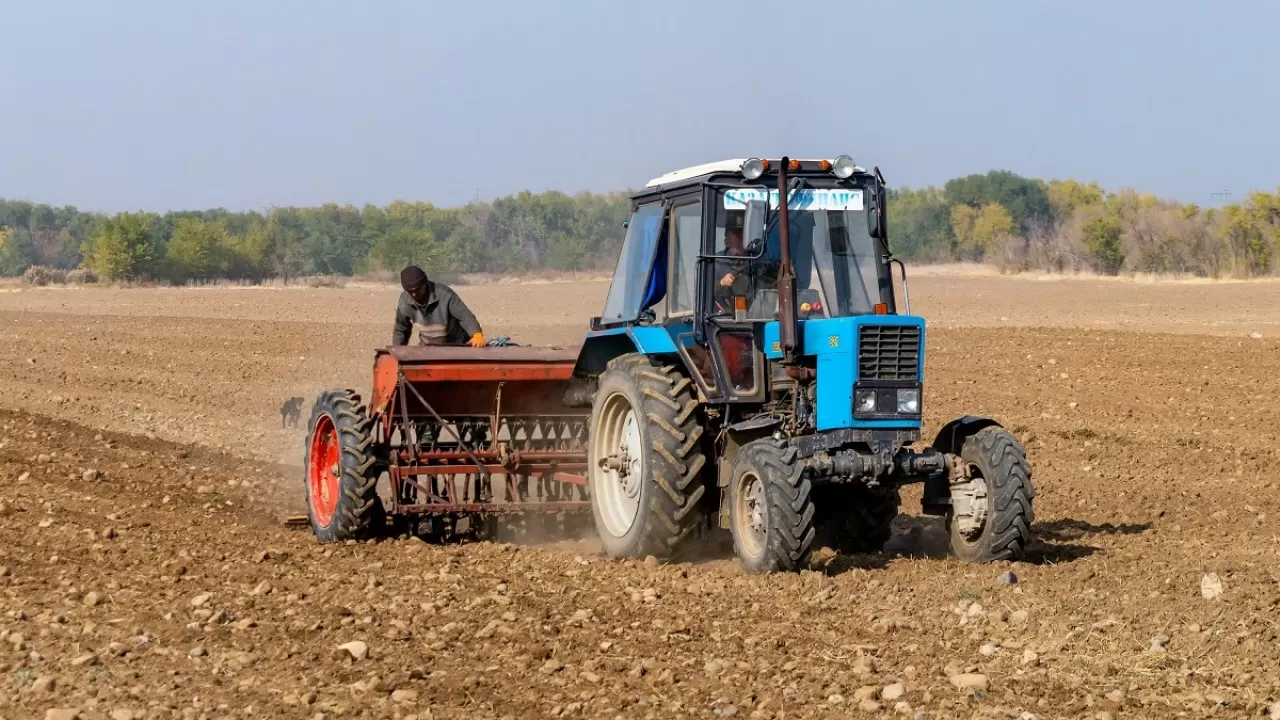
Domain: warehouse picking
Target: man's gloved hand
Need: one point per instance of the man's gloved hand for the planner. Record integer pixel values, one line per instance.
(477, 340)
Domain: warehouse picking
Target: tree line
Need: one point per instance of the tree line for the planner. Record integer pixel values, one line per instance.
(1001, 218)
(1022, 224)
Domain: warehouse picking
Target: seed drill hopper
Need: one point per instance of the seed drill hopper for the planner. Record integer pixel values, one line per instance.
(465, 438)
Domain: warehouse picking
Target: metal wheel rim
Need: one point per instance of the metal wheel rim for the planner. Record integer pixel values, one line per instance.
(750, 515)
(323, 466)
(978, 482)
(617, 496)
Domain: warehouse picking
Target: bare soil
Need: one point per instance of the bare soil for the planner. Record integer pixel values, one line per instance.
(144, 571)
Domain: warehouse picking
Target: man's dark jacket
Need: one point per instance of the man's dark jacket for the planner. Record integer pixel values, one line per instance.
(443, 319)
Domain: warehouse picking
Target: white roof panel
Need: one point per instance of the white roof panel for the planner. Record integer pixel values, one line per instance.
(719, 166)
(696, 170)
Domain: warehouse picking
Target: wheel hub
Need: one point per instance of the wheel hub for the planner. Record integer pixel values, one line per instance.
(755, 507)
(969, 501)
(749, 514)
(629, 457)
(620, 476)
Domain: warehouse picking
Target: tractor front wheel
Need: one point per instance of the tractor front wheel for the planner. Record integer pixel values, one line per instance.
(990, 515)
(644, 458)
(771, 508)
(342, 473)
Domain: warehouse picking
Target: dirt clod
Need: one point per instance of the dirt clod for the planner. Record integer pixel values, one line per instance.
(1211, 586)
(44, 684)
(969, 681)
(404, 696)
(355, 650)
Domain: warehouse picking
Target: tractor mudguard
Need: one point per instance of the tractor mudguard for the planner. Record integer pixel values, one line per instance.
(602, 346)
(952, 435)
(950, 439)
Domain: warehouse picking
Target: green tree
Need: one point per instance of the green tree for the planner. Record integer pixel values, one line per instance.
(125, 247)
(198, 250)
(406, 245)
(282, 243)
(920, 224)
(1102, 239)
(1027, 201)
(1253, 231)
(16, 251)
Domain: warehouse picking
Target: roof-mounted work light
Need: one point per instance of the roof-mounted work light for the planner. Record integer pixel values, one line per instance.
(753, 168)
(843, 167)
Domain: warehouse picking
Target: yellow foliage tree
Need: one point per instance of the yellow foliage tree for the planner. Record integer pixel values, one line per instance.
(978, 232)
(1067, 196)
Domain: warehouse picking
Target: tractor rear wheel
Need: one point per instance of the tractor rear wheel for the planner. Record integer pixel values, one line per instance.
(771, 508)
(644, 458)
(342, 472)
(990, 515)
(856, 519)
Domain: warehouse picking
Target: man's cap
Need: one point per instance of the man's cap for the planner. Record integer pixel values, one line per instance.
(412, 278)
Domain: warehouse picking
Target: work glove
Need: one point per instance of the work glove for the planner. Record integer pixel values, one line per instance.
(477, 340)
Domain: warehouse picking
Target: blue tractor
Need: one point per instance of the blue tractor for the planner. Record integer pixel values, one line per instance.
(751, 372)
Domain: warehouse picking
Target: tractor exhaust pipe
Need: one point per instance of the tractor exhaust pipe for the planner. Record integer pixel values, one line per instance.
(787, 321)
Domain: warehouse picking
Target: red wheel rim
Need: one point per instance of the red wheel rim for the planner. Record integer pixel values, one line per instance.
(322, 470)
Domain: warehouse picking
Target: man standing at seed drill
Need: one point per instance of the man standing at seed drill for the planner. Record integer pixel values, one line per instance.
(440, 315)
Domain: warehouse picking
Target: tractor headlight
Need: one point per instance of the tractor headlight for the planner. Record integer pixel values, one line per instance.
(864, 401)
(753, 168)
(842, 167)
(909, 401)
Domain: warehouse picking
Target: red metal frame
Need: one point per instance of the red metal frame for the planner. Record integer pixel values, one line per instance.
(499, 423)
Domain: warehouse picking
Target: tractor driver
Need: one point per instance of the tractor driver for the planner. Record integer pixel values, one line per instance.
(440, 315)
(735, 280)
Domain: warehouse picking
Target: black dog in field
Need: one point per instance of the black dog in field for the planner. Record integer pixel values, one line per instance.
(291, 412)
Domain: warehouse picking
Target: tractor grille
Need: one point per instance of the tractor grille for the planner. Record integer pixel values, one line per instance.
(888, 352)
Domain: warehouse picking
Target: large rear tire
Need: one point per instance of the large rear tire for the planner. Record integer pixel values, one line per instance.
(645, 458)
(994, 519)
(341, 471)
(771, 508)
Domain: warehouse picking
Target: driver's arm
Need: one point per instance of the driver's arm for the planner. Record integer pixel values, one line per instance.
(403, 324)
(466, 318)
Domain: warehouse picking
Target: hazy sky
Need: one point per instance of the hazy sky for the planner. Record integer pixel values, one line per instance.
(175, 104)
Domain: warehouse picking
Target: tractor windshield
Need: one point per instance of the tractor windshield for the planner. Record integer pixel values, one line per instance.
(836, 264)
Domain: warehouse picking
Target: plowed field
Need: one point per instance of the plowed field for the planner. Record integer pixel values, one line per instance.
(145, 573)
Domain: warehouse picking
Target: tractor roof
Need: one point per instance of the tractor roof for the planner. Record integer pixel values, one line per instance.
(711, 168)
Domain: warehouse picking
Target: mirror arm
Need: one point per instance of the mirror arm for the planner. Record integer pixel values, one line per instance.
(906, 292)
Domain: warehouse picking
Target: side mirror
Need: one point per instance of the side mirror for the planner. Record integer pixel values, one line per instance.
(875, 214)
(753, 222)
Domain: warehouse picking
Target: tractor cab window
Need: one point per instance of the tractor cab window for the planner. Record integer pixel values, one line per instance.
(686, 238)
(836, 265)
(638, 282)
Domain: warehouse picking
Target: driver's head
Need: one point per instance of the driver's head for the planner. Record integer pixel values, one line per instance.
(414, 282)
(733, 242)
